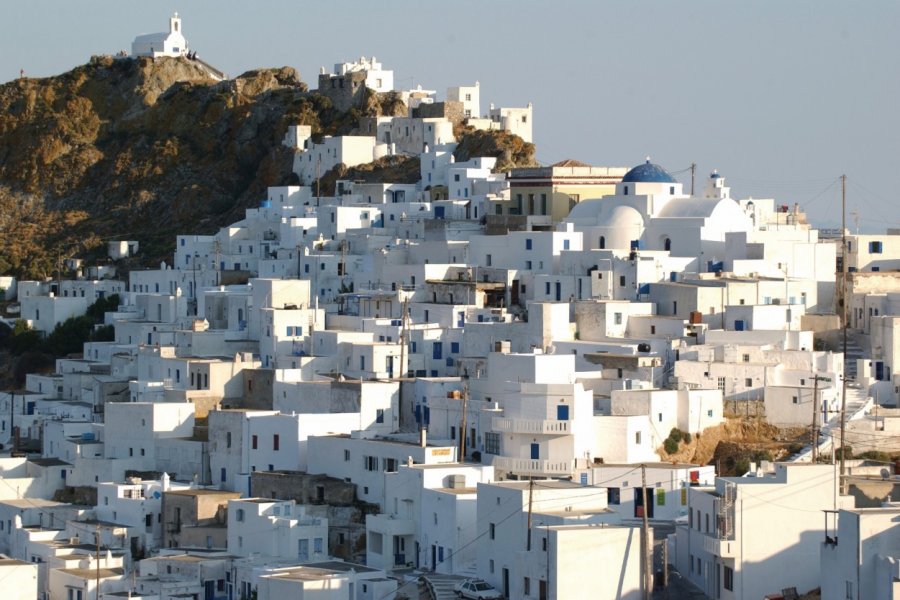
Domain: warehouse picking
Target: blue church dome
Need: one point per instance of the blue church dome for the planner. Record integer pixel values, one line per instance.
(648, 173)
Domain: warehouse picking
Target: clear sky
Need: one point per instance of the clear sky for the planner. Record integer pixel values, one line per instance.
(780, 97)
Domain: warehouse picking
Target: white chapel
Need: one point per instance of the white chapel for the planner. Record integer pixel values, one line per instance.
(171, 43)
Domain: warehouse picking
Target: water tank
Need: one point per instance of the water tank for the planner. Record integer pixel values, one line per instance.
(456, 482)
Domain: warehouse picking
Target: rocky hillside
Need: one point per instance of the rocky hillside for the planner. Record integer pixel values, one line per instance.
(142, 149)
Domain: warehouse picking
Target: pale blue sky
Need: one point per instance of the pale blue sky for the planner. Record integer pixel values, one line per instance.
(780, 97)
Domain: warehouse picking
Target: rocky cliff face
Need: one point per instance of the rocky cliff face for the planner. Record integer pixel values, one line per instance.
(142, 149)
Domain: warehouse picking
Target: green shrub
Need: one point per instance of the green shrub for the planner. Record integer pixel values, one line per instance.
(670, 446)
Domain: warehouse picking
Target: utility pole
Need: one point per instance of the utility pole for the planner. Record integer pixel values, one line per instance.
(462, 435)
(665, 564)
(815, 419)
(403, 370)
(58, 273)
(647, 548)
(97, 576)
(318, 166)
(844, 258)
(530, 494)
(218, 262)
(693, 173)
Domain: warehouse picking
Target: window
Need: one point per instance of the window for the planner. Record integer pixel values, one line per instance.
(491, 565)
(493, 531)
(275, 442)
(617, 318)
(875, 247)
(390, 465)
(370, 463)
(621, 281)
(454, 347)
(619, 373)
(379, 415)
(728, 577)
(318, 545)
(254, 442)
(748, 382)
(795, 399)
(527, 586)
(746, 358)
(487, 260)
(565, 244)
(239, 515)
(346, 455)
(652, 329)
(528, 244)
(228, 439)
(637, 437)
(491, 442)
(625, 190)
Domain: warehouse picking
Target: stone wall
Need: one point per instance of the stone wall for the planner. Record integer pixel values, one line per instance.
(344, 91)
(450, 110)
(337, 498)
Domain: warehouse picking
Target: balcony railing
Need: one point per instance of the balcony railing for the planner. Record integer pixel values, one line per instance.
(720, 548)
(533, 426)
(527, 466)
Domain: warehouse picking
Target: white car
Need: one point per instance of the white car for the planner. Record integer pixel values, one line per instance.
(476, 589)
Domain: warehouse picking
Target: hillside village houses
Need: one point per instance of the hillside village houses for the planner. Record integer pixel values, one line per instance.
(481, 366)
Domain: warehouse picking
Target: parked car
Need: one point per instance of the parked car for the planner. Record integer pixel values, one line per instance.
(476, 589)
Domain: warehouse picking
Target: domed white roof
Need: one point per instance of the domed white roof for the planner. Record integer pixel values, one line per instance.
(586, 210)
(723, 211)
(620, 216)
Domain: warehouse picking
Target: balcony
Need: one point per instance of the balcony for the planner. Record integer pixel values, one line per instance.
(527, 466)
(720, 548)
(530, 426)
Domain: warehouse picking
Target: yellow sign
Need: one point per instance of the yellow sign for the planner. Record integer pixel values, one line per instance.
(440, 451)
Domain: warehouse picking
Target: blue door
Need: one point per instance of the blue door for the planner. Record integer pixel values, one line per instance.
(739, 325)
(879, 371)
(535, 451)
(437, 351)
(438, 212)
(558, 291)
(562, 412)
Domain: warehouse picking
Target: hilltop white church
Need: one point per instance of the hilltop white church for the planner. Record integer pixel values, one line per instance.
(171, 43)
